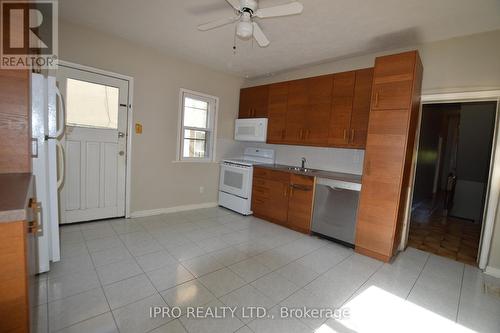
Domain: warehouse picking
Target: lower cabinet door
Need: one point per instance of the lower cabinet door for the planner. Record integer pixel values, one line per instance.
(270, 200)
(300, 203)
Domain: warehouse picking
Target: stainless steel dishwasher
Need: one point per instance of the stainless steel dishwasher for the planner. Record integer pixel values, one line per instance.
(335, 209)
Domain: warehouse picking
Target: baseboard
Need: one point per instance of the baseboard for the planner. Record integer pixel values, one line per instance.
(153, 212)
(492, 271)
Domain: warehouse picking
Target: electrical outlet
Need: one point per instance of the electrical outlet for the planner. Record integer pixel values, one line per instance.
(202, 189)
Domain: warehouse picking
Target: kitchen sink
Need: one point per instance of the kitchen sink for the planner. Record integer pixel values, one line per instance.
(298, 169)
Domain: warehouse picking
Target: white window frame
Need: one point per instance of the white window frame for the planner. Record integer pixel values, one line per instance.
(213, 110)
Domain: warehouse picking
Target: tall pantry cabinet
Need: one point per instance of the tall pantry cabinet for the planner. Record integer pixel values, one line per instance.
(394, 113)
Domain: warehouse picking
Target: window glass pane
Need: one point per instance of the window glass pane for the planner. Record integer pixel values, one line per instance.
(195, 117)
(195, 143)
(195, 148)
(199, 135)
(194, 103)
(91, 105)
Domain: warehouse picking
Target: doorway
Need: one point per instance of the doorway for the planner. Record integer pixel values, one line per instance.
(452, 178)
(95, 144)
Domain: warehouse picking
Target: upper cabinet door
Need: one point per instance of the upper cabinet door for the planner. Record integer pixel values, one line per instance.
(342, 100)
(254, 102)
(317, 116)
(361, 108)
(393, 83)
(297, 106)
(277, 109)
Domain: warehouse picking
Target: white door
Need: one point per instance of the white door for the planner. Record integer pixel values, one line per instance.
(95, 145)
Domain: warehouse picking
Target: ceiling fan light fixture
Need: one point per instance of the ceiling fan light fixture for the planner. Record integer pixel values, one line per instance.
(244, 30)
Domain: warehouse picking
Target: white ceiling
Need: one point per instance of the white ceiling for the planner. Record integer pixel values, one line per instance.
(327, 29)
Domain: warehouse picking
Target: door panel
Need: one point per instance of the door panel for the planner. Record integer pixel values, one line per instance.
(96, 107)
(318, 111)
(296, 113)
(342, 104)
(361, 107)
(300, 203)
(392, 95)
(278, 103)
(254, 102)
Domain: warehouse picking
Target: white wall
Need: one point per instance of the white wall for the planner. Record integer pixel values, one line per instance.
(158, 182)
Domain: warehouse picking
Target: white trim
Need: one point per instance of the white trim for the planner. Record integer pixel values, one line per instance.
(492, 271)
(153, 212)
(130, 127)
(213, 138)
(493, 191)
(461, 97)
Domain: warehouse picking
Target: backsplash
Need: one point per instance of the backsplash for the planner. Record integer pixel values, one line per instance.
(330, 159)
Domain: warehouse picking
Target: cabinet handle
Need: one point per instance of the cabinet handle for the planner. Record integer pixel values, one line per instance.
(352, 135)
(291, 190)
(308, 133)
(301, 132)
(283, 133)
(285, 191)
(376, 99)
(345, 134)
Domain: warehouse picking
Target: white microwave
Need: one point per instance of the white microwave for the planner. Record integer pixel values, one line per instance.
(251, 129)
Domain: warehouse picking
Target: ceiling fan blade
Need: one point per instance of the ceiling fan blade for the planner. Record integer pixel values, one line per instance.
(259, 36)
(292, 8)
(235, 4)
(218, 23)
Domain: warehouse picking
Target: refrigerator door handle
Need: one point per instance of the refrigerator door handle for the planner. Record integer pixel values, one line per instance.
(62, 115)
(60, 179)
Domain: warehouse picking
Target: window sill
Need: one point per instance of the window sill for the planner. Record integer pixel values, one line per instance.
(194, 161)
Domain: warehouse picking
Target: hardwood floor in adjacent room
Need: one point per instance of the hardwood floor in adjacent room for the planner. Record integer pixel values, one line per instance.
(446, 236)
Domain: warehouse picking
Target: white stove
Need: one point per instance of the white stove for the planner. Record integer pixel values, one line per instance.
(235, 186)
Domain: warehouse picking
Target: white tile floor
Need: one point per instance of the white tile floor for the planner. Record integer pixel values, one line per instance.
(112, 272)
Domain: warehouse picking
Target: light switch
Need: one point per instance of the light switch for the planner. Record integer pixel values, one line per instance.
(138, 128)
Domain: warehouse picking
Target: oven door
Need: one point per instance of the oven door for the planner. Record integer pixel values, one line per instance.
(236, 180)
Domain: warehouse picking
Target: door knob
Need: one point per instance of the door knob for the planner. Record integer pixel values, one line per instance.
(121, 153)
(121, 134)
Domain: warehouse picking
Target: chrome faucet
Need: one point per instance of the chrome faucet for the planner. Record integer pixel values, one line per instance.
(303, 163)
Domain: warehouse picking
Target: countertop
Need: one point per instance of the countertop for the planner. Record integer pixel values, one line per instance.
(346, 177)
(14, 192)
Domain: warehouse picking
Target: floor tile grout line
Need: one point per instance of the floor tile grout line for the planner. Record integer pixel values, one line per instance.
(369, 277)
(460, 294)
(419, 275)
(196, 278)
(300, 288)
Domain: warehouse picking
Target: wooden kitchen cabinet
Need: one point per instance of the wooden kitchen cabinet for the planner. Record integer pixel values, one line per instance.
(283, 198)
(342, 102)
(361, 108)
(277, 112)
(308, 112)
(270, 195)
(388, 157)
(393, 82)
(350, 109)
(15, 121)
(18, 291)
(254, 102)
(300, 203)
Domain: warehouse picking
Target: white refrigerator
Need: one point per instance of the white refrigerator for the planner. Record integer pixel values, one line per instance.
(48, 124)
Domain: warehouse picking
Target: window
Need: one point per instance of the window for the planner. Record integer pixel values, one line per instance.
(197, 126)
(91, 104)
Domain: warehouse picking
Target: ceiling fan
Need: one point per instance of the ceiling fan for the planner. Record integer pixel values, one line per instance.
(246, 11)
